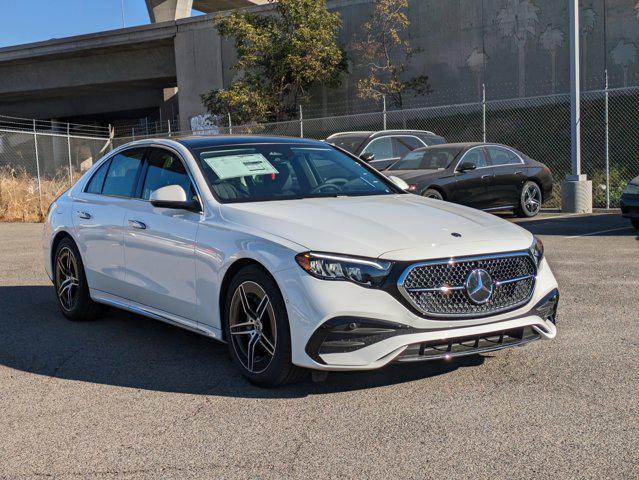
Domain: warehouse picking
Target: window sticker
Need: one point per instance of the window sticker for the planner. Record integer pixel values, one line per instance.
(240, 165)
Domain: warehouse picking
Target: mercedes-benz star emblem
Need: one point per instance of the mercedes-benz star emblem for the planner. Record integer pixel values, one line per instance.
(479, 286)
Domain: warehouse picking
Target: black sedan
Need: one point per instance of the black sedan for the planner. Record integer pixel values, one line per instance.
(479, 175)
(630, 202)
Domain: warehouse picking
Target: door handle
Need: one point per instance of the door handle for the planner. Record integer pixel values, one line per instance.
(519, 172)
(483, 177)
(137, 224)
(84, 215)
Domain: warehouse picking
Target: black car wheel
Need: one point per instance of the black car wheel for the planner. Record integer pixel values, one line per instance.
(257, 329)
(530, 200)
(72, 289)
(432, 193)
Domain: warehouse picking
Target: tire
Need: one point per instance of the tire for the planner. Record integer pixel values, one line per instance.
(432, 193)
(530, 200)
(635, 222)
(255, 320)
(70, 282)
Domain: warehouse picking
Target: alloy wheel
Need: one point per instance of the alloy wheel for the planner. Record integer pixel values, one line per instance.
(253, 327)
(67, 282)
(532, 199)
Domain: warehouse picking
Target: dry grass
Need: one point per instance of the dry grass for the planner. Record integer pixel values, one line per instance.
(19, 196)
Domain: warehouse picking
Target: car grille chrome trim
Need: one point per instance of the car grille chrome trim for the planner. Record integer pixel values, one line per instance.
(437, 288)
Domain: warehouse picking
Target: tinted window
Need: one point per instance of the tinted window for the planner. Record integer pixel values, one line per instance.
(164, 169)
(281, 172)
(122, 175)
(435, 159)
(502, 156)
(405, 145)
(476, 156)
(382, 148)
(95, 185)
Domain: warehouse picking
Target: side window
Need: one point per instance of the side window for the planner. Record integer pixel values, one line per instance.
(476, 156)
(123, 172)
(96, 182)
(405, 145)
(164, 169)
(382, 148)
(502, 156)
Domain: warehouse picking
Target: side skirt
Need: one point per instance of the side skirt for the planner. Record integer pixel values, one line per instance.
(128, 305)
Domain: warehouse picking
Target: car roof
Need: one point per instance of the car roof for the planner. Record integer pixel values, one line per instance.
(197, 141)
(382, 133)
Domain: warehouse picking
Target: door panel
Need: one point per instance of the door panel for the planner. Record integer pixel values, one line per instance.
(159, 243)
(159, 246)
(471, 187)
(99, 228)
(509, 176)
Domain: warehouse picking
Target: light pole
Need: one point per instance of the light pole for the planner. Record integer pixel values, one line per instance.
(576, 190)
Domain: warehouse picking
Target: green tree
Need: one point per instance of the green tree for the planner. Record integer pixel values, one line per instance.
(387, 55)
(280, 58)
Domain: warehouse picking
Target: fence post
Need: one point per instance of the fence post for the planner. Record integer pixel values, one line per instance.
(168, 122)
(69, 152)
(384, 104)
(133, 133)
(35, 141)
(230, 125)
(483, 111)
(301, 122)
(607, 118)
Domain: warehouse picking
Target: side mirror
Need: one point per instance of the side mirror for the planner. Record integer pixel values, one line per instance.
(173, 196)
(367, 157)
(399, 182)
(467, 166)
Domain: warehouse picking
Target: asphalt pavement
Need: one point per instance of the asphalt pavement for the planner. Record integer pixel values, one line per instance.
(128, 397)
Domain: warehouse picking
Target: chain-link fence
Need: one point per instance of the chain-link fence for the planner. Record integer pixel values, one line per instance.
(41, 159)
(51, 155)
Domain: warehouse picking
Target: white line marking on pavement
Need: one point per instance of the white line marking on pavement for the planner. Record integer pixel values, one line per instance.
(600, 232)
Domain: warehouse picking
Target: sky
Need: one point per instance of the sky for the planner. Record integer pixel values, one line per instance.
(26, 21)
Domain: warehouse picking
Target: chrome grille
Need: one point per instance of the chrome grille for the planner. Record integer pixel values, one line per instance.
(437, 288)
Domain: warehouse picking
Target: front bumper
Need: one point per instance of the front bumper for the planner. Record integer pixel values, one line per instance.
(397, 334)
(630, 205)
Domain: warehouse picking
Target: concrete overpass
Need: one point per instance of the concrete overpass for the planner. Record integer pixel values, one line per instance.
(167, 10)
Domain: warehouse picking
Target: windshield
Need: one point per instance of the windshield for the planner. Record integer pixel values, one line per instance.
(428, 159)
(258, 173)
(350, 143)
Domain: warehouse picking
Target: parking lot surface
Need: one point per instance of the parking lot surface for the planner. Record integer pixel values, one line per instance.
(128, 397)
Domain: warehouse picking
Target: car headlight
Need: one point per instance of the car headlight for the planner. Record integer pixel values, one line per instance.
(412, 188)
(632, 189)
(537, 250)
(367, 272)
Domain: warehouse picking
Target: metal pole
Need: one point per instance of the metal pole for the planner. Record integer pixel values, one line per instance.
(122, 11)
(133, 133)
(69, 151)
(385, 117)
(230, 125)
(575, 90)
(35, 141)
(169, 125)
(607, 145)
(483, 108)
(301, 122)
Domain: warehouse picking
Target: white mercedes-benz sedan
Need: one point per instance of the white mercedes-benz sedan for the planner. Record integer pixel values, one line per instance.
(295, 253)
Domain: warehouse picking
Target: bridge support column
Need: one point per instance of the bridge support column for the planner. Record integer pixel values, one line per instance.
(168, 10)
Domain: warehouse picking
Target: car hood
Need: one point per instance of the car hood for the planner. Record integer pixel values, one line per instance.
(396, 227)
